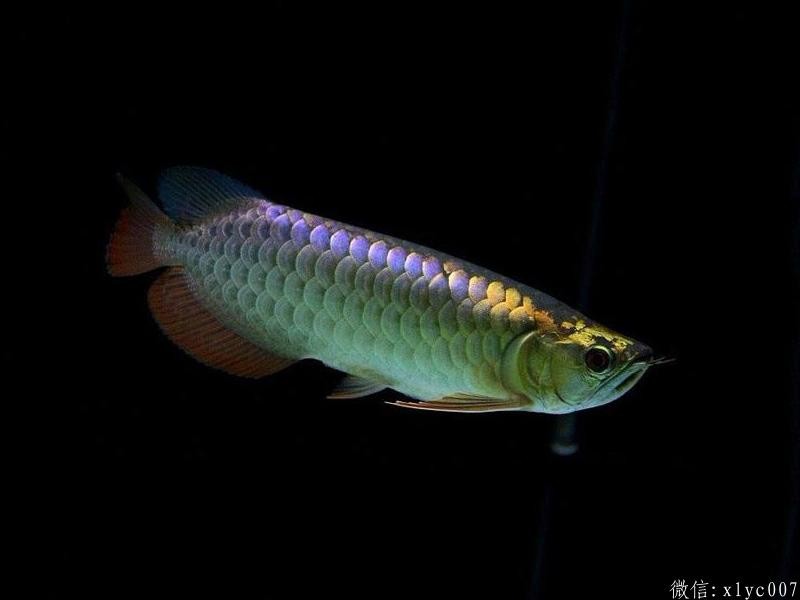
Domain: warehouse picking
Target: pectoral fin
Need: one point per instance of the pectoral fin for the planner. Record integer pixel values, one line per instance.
(465, 403)
(355, 387)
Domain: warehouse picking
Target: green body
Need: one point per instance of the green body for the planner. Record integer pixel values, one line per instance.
(387, 312)
(412, 318)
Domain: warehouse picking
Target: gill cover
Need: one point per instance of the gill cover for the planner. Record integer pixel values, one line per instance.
(515, 366)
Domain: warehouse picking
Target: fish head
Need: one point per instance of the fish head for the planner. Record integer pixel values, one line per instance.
(574, 369)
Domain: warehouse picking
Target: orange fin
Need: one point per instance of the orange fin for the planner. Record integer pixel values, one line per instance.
(355, 387)
(132, 249)
(465, 403)
(199, 333)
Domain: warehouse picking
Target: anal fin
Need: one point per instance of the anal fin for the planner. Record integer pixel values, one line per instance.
(198, 332)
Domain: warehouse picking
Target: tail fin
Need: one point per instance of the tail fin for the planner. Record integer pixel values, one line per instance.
(133, 248)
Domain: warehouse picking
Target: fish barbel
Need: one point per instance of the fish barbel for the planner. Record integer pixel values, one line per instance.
(252, 286)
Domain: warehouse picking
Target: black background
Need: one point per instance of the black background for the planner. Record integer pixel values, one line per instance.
(479, 132)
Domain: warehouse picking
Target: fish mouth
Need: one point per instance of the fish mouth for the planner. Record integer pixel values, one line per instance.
(617, 385)
(613, 388)
(623, 381)
(630, 377)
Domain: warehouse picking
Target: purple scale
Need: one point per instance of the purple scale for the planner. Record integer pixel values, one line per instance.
(274, 211)
(340, 242)
(413, 265)
(294, 215)
(320, 237)
(396, 259)
(359, 248)
(431, 267)
(281, 229)
(477, 288)
(263, 207)
(377, 254)
(300, 233)
(438, 288)
(459, 285)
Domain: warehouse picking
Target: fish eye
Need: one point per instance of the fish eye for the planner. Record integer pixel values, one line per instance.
(599, 359)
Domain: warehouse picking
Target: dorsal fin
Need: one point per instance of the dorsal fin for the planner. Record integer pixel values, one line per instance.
(189, 194)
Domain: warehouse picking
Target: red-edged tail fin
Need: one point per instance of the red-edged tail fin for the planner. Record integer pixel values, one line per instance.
(133, 246)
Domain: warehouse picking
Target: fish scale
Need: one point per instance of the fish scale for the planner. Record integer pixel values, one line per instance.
(253, 285)
(389, 306)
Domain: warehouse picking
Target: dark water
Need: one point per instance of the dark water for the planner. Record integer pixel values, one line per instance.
(477, 132)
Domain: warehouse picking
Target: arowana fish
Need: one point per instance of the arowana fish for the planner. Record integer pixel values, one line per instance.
(252, 286)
